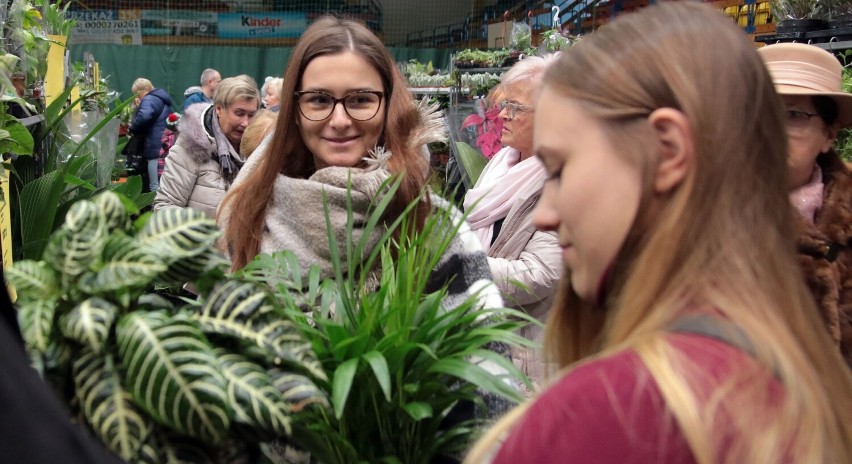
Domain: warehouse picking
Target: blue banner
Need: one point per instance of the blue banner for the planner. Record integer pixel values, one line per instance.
(261, 25)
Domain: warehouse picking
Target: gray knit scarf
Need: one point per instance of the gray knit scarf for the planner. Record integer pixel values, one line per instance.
(229, 158)
(295, 218)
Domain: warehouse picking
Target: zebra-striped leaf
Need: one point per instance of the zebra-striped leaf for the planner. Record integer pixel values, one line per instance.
(298, 391)
(188, 268)
(33, 280)
(244, 310)
(114, 211)
(132, 267)
(173, 374)
(36, 320)
(175, 233)
(89, 323)
(74, 248)
(108, 408)
(256, 401)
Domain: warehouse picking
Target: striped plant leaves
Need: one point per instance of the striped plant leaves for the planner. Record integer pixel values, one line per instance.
(113, 209)
(244, 310)
(33, 280)
(36, 320)
(188, 268)
(75, 247)
(256, 401)
(108, 408)
(127, 267)
(175, 233)
(89, 323)
(298, 391)
(173, 374)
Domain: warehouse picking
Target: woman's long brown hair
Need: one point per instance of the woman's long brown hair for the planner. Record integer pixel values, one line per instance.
(287, 154)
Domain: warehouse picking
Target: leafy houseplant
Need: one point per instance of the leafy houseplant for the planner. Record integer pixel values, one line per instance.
(398, 362)
(155, 383)
(270, 352)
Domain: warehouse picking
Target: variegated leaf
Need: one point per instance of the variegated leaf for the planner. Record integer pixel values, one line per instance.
(188, 268)
(173, 374)
(74, 249)
(108, 408)
(114, 211)
(117, 244)
(89, 323)
(36, 320)
(256, 401)
(298, 391)
(244, 310)
(132, 267)
(174, 233)
(33, 280)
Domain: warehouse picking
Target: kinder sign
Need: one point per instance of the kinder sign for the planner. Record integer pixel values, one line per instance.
(261, 25)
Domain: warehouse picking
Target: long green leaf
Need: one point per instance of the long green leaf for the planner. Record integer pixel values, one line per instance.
(470, 372)
(108, 408)
(342, 385)
(37, 204)
(380, 369)
(173, 374)
(74, 249)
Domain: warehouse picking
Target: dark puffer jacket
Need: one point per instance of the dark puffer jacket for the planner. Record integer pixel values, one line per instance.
(150, 121)
(825, 254)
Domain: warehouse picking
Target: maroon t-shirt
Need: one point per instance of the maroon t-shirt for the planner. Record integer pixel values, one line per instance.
(611, 411)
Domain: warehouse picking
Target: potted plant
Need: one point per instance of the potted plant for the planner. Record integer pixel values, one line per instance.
(267, 357)
(795, 17)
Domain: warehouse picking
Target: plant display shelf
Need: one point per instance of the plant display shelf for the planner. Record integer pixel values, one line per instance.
(829, 39)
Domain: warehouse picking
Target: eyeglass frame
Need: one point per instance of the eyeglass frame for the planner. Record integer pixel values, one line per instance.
(514, 108)
(802, 124)
(341, 100)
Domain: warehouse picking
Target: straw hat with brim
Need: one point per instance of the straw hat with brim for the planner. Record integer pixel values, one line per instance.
(801, 69)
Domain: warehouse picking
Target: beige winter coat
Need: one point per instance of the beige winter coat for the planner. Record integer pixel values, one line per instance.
(526, 264)
(192, 176)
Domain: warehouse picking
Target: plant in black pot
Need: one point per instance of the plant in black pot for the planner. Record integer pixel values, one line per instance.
(793, 18)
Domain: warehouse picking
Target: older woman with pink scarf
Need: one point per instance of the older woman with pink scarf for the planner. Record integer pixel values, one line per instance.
(525, 262)
(809, 82)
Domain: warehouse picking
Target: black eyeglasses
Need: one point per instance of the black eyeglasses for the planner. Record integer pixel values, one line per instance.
(361, 105)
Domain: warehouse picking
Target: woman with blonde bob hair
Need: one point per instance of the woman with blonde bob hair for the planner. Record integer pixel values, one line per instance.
(684, 327)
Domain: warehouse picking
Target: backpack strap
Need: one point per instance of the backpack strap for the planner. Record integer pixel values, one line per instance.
(714, 327)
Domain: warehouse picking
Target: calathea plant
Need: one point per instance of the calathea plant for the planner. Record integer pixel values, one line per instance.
(154, 381)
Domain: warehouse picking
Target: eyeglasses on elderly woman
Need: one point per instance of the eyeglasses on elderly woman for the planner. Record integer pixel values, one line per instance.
(514, 108)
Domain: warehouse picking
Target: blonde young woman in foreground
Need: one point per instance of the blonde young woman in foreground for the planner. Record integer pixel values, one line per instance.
(684, 325)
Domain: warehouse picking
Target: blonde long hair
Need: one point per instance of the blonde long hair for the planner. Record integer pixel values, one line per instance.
(724, 239)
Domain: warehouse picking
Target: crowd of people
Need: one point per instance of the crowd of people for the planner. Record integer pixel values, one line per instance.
(677, 217)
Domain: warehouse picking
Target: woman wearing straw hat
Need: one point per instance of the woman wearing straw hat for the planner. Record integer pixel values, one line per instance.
(809, 82)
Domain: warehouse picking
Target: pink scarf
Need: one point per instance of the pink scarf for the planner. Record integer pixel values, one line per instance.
(503, 178)
(807, 199)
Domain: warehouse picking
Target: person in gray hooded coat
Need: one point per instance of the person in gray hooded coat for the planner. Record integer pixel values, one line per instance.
(206, 158)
